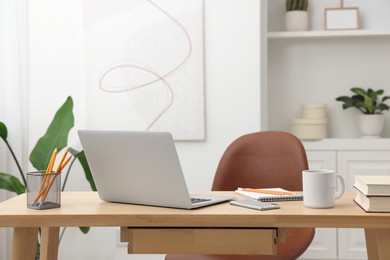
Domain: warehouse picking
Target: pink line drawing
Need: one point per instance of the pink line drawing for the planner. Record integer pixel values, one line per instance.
(156, 76)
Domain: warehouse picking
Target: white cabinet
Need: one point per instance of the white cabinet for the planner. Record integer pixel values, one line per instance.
(349, 157)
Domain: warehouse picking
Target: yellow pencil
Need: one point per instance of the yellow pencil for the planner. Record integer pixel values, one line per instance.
(62, 166)
(62, 160)
(46, 178)
(48, 186)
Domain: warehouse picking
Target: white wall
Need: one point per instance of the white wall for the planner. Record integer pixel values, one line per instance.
(232, 70)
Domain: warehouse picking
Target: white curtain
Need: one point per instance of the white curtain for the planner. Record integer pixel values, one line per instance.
(13, 93)
(13, 80)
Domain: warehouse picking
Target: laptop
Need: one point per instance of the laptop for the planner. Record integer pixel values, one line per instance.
(139, 168)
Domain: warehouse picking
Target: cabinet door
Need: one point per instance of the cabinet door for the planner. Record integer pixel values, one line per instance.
(324, 244)
(351, 241)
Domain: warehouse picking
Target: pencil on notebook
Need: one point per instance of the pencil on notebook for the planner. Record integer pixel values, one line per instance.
(273, 192)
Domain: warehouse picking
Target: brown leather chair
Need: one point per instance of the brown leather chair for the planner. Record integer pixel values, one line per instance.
(261, 160)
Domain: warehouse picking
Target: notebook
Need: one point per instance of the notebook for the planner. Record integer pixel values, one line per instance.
(271, 197)
(139, 168)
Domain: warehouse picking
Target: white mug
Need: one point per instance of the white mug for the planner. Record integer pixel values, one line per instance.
(319, 188)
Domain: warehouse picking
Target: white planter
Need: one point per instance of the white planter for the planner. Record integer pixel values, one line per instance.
(297, 21)
(371, 125)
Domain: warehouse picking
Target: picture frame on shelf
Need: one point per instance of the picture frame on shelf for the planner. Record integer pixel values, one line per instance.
(344, 18)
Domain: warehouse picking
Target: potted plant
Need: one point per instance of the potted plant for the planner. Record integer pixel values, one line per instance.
(297, 17)
(371, 106)
(56, 136)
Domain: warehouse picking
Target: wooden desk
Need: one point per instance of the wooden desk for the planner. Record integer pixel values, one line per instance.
(223, 220)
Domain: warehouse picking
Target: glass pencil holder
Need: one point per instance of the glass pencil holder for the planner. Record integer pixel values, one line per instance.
(43, 190)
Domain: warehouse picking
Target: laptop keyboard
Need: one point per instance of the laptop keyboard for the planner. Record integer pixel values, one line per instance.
(197, 200)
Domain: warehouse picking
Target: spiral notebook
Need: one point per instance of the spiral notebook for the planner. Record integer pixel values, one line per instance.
(271, 197)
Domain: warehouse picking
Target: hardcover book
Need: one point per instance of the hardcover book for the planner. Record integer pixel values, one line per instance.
(371, 185)
(372, 203)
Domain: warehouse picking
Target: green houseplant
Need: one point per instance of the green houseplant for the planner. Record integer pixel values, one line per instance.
(297, 16)
(56, 136)
(295, 5)
(371, 106)
(366, 101)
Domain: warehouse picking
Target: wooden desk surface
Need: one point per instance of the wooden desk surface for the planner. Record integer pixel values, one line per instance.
(86, 209)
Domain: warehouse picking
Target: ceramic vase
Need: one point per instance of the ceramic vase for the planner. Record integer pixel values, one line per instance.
(297, 21)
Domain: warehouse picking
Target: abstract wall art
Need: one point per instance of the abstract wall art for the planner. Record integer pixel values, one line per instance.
(144, 66)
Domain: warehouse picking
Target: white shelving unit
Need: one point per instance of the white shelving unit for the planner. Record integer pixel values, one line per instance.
(328, 34)
(316, 66)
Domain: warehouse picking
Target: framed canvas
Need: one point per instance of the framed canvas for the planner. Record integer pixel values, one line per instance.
(342, 18)
(144, 66)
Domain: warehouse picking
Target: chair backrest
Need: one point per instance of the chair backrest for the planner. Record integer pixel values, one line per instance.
(262, 160)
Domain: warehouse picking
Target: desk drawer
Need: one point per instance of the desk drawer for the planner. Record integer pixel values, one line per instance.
(200, 240)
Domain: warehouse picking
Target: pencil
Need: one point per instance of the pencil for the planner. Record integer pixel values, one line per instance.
(62, 166)
(48, 186)
(273, 192)
(62, 160)
(50, 183)
(51, 162)
(46, 178)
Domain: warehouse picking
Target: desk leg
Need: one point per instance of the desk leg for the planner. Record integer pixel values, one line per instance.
(377, 241)
(24, 243)
(49, 243)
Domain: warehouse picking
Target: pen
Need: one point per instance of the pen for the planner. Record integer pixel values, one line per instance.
(273, 192)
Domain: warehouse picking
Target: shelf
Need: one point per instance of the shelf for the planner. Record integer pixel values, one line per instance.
(348, 144)
(329, 34)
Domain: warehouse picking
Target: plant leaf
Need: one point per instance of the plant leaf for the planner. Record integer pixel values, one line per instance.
(84, 163)
(85, 230)
(56, 136)
(379, 92)
(385, 98)
(359, 91)
(382, 107)
(11, 183)
(344, 99)
(3, 131)
(87, 170)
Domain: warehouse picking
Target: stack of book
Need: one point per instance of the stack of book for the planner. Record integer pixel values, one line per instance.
(373, 193)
